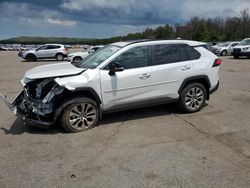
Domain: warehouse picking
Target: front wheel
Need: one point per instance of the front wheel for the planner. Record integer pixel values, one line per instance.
(77, 59)
(192, 98)
(80, 116)
(224, 53)
(31, 57)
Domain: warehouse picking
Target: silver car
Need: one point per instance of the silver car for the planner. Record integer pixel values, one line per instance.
(57, 51)
(224, 49)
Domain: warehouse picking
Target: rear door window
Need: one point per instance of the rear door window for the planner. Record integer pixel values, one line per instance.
(165, 54)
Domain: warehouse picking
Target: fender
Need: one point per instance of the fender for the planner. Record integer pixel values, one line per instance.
(91, 91)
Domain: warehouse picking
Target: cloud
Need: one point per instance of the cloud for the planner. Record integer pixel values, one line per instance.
(134, 12)
(67, 23)
(31, 14)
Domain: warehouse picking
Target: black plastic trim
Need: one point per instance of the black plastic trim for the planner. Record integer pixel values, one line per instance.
(194, 78)
(214, 89)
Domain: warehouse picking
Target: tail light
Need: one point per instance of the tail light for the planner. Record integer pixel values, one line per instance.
(217, 62)
(66, 49)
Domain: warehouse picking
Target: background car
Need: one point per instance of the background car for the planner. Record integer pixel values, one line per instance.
(242, 49)
(224, 49)
(78, 56)
(57, 51)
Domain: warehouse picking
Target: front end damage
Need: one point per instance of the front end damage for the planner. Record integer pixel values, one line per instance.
(38, 101)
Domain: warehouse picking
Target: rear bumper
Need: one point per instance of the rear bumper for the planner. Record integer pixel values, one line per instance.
(211, 91)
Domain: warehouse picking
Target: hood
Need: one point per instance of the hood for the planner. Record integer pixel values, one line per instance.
(241, 46)
(53, 70)
(82, 54)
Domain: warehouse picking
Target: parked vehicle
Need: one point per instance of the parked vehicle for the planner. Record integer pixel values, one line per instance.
(224, 49)
(57, 51)
(242, 49)
(119, 76)
(2, 48)
(79, 56)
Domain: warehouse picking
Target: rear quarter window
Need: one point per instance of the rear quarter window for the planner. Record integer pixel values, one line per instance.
(191, 53)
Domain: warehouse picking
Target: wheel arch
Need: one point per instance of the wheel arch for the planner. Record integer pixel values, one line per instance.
(30, 54)
(77, 56)
(71, 97)
(59, 53)
(202, 79)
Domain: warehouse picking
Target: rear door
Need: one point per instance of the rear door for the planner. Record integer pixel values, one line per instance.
(171, 64)
(131, 87)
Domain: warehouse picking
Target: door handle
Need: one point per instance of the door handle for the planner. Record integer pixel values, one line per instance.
(185, 68)
(144, 76)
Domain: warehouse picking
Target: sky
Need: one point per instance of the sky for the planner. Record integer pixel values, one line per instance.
(104, 18)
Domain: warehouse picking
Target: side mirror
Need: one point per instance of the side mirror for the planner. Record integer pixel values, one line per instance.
(115, 67)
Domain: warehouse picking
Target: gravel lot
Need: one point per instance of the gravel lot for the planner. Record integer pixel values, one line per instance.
(150, 147)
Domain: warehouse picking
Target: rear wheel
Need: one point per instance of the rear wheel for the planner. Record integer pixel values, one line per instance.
(192, 98)
(31, 57)
(59, 57)
(77, 59)
(80, 116)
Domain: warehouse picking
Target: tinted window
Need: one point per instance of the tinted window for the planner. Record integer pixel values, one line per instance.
(166, 53)
(191, 52)
(233, 45)
(134, 58)
(53, 47)
(172, 53)
(42, 48)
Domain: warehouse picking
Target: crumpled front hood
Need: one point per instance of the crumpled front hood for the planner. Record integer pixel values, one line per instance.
(53, 70)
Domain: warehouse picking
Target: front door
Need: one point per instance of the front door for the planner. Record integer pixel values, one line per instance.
(130, 87)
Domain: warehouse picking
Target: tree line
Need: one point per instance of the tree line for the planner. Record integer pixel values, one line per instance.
(200, 29)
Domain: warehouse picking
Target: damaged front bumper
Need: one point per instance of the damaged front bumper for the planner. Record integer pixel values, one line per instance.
(25, 109)
(34, 111)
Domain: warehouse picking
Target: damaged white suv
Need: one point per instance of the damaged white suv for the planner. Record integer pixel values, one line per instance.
(120, 76)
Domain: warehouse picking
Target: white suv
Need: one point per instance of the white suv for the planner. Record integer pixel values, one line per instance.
(242, 49)
(119, 76)
(57, 51)
(79, 56)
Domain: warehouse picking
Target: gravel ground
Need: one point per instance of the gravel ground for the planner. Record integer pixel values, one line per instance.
(149, 147)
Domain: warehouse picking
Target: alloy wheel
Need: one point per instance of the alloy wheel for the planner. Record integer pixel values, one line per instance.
(82, 116)
(194, 98)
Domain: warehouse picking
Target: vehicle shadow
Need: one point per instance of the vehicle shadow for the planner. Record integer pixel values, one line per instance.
(239, 59)
(43, 60)
(18, 128)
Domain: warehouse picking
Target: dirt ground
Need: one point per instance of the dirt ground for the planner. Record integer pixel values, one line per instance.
(149, 147)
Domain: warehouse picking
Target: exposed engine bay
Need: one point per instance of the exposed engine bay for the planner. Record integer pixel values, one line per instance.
(38, 101)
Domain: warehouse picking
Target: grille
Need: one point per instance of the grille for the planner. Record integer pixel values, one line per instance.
(237, 50)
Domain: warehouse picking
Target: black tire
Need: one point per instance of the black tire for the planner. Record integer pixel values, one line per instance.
(224, 53)
(71, 112)
(31, 57)
(77, 59)
(236, 56)
(59, 57)
(185, 98)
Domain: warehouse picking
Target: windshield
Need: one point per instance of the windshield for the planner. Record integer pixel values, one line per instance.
(245, 42)
(224, 44)
(94, 60)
